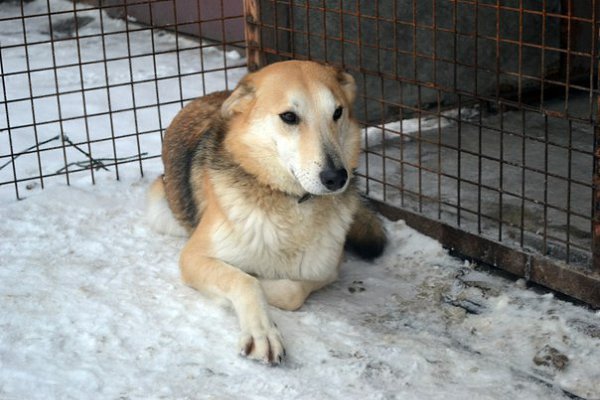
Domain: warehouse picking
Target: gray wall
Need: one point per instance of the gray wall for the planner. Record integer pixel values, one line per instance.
(418, 58)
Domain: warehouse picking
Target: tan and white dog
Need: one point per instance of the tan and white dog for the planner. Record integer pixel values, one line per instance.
(261, 179)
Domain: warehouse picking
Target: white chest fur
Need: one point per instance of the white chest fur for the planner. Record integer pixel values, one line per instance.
(277, 238)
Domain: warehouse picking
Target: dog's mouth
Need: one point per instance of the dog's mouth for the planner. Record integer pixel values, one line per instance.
(306, 195)
(322, 186)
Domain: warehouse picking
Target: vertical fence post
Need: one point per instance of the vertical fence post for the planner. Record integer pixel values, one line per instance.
(596, 122)
(596, 188)
(252, 32)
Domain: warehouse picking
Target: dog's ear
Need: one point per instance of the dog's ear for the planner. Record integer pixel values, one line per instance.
(239, 99)
(348, 85)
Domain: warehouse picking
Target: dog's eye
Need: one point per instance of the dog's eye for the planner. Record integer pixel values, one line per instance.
(290, 118)
(337, 113)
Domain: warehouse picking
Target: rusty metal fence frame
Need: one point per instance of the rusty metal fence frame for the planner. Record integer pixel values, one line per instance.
(386, 42)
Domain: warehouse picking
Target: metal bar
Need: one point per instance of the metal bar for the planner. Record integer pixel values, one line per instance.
(110, 103)
(254, 55)
(155, 68)
(325, 34)
(438, 111)
(292, 28)
(545, 201)
(384, 172)
(31, 102)
(223, 48)
(8, 128)
(132, 85)
(569, 192)
(501, 191)
(596, 178)
(57, 92)
(83, 92)
(523, 179)
(308, 29)
(595, 68)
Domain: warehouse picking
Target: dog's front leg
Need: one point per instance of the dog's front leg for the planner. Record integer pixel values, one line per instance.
(260, 338)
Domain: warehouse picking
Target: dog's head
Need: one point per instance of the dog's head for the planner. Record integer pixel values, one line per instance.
(291, 126)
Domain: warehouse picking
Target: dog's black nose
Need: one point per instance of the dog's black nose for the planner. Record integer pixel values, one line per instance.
(334, 179)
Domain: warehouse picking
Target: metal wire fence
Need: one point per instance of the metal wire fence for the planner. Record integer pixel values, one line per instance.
(481, 120)
(90, 86)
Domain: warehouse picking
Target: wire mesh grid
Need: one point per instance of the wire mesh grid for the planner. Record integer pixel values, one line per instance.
(479, 115)
(88, 87)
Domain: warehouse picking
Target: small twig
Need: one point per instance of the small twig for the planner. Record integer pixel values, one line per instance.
(37, 145)
(93, 161)
(99, 162)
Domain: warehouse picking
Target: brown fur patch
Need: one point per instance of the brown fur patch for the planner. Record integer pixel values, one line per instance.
(183, 186)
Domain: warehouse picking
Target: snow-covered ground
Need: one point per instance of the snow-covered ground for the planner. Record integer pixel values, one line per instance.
(93, 307)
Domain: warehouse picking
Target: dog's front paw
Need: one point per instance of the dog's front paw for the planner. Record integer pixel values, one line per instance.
(263, 345)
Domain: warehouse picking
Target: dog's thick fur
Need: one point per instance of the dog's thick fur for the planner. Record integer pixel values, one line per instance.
(261, 179)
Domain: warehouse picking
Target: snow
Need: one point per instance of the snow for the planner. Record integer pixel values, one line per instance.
(93, 306)
(408, 128)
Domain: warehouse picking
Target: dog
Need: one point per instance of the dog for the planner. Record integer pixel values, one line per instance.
(261, 179)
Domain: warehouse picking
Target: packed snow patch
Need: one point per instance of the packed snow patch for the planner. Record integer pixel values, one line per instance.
(408, 129)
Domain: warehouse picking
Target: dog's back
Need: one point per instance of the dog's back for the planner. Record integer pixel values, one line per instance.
(181, 147)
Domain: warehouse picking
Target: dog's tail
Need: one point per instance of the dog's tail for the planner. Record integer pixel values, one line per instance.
(158, 213)
(366, 237)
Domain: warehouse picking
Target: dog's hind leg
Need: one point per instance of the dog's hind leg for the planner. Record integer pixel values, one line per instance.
(366, 237)
(287, 294)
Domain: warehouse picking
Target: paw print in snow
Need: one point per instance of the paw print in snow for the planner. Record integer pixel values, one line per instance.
(357, 286)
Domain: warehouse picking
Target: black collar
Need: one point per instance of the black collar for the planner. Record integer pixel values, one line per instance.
(304, 197)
